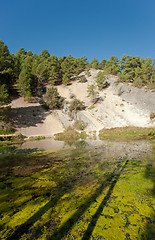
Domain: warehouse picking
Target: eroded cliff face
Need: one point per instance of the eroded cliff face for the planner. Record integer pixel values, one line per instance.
(120, 105)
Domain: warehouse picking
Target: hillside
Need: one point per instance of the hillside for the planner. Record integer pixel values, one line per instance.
(120, 105)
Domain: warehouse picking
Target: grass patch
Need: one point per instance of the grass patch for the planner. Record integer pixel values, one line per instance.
(10, 140)
(37, 138)
(70, 135)
(76, 194)
(92, 107)
(6, 132)
(129, 133)
(152, 115)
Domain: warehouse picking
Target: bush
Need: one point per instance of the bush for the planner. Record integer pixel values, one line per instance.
(88, 73)
(37, 138)
(138, 83)
(92, 93)
(83, 79)
(101, 81)
(80, 125)
(52, 99)
(76, 105)
(152, 115)
(65, 80)
(70, 135)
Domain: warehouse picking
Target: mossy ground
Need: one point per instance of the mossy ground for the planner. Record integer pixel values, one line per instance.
(70, 135)
(76, 194)
(127, 133)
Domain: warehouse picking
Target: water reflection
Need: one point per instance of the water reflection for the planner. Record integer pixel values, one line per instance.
(47, 144)
(110, 148)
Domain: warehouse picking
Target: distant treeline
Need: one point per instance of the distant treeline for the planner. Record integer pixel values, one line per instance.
(30, 72)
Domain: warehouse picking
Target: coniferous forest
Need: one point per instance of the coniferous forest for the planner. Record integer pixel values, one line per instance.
(29, 72)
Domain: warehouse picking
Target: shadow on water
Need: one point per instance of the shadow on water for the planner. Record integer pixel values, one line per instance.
(9, 156)
(149, 232)
(15, 150)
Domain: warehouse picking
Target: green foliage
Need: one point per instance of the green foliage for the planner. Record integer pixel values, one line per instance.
(152, 115)
(76, 193)
(92, 93)
(102, 64)
(94, 63)
(6, 132)
(31, 71)
(76, 105)
(71, 66)
(101, 81)
(112, 66)
(4, 96)
(127, 133)
(5, 119)
(52, 99)
(25, 82)
(90, 108)
(37, 138)
(53, 70)
(65, 80)
(88, 73)
(83, 79)
(136, 70)
(80, 125)
(44, 54)
(6, 73)
(70, 135)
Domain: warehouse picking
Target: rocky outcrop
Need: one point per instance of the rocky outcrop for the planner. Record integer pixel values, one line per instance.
(122, 105)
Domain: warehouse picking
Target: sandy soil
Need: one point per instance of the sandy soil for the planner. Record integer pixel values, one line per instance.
(31, 119)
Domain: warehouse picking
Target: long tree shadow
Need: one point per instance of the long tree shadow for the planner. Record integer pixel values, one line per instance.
(27, 116)
(67, 226)
(63, 186)
(149, 233)
(96, 216)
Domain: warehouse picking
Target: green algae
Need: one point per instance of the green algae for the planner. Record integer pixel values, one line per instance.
(76, 194)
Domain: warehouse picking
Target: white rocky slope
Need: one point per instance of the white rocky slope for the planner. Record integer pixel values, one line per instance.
(121, 105)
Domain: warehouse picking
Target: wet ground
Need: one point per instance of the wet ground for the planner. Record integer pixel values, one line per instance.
(85, 190)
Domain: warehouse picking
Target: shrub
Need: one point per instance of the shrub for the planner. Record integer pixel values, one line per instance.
(152, 115)
(91, 107)
(37, 138)
(76, 105)
(83, 79)
(92, 93)
(52, 99)
(88, 73)
(65, 80)
(80, 125)
(138, 83)
(101, 81)
(70, 135)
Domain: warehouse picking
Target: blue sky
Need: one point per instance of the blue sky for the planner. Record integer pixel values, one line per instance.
(97, 29)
